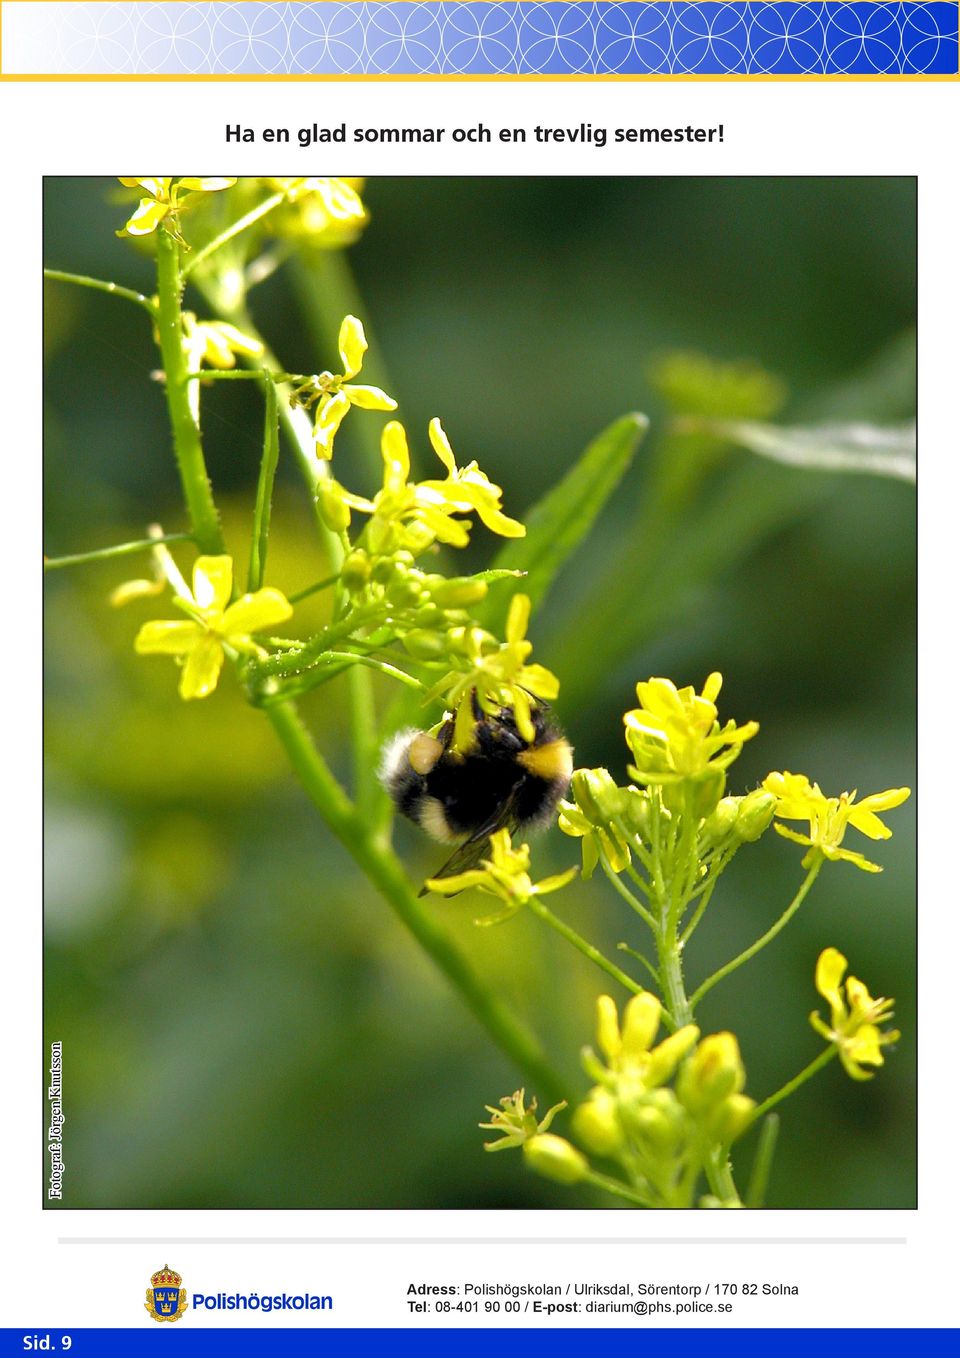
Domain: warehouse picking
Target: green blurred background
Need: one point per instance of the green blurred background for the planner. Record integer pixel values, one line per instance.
(244, 1022)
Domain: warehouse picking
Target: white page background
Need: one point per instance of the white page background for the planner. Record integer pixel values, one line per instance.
(854, 1268)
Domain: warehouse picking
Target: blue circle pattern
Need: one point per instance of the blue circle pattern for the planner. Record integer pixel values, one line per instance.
(692, 37)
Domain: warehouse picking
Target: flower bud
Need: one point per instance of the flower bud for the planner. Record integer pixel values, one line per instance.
(555, 1158)
(707, 791)
(403, 590)
(636, 812)
(597, 795)
(384, 569)
(608, 1027)
(668, 1054)
(382, 536)
(424, 645)
(417, 537)
(429, 615)
(717, 826)
(596, 1125)
(355, 571)
(641, 1019)
(756, 813)
(713, 1072)
(731, 1118)
(659, 1121)
(333, 511)
(457, 592)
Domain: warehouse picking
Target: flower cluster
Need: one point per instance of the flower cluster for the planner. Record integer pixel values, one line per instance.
(829, 817)
(659, 1110)
(676, 740)
(855, 1017)
(413, 515)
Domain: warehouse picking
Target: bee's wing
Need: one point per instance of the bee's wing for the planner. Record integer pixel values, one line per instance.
(471, 852)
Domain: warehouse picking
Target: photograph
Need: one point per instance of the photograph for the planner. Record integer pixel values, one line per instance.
(480, 692)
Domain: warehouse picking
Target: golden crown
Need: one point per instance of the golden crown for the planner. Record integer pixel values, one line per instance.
(166, 1277)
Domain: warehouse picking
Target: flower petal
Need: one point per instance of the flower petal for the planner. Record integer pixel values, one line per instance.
(441, 445)
(255, 612)
(202, 669)
(518, 617)
(167, 638)
(831, 964)
(368, 398)
(147, 217)
(352, 344)
(212, 581)
(330, 415)
(396, 456)
(554, 883)
(206, 184)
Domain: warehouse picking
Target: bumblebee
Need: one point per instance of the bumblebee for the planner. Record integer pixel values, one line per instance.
(502, 781)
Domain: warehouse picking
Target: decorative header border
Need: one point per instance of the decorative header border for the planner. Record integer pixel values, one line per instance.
(247, 39)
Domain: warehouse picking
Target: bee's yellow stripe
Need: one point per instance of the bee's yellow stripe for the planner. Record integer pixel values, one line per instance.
(554, 760)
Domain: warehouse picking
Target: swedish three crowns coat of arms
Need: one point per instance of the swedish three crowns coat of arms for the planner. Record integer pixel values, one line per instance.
(166, 1299)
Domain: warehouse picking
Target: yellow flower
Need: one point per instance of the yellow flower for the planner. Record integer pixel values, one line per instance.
(337, 393)
(324, 212)
(516, 1123)
(504, 874)
(469, 488)
(628, 1048)
(498, 674)
(675, 734)
(216, 343)
(855, 1021)
(410, 515)
(799, 799)
(214, 624)
(164, 197)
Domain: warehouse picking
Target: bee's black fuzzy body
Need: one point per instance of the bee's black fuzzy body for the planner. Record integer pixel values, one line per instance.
(503, 780)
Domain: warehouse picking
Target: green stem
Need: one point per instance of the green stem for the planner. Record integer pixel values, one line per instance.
(101, 285)
(268, 470)
(384, 870)
(186, 433)
(241, 224)
(56, 563)
(697, 914)
(766, 938)
(614, 1186)
(314, 589)
(243, 375)
(639, 957)
(720, 1175)
(313, 651)
(589, 951)
(626, 893)
(671, 978)
(816, 1064)
(763, 1162)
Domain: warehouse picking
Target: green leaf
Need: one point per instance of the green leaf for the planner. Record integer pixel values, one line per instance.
(559, 522)
(877, 450)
